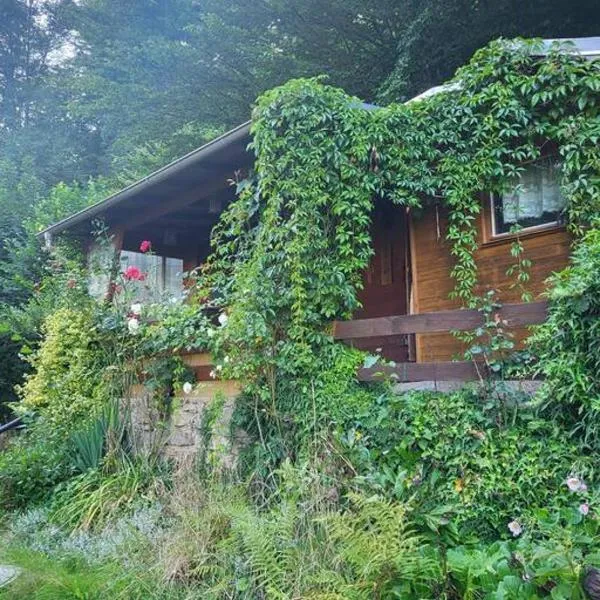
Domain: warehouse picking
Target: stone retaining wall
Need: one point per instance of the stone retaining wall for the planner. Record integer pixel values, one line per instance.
(183, 436)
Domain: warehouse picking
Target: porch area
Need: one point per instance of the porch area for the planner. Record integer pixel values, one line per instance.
(391, 331)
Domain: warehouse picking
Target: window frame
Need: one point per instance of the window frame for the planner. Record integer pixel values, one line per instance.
(489, 213)
(530, 229)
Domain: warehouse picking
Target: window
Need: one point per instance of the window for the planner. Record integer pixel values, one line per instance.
(164, 275)
(535, 201)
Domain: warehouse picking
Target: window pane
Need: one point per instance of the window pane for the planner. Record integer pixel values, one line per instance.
(151, 266)
(535, 200)
(163, 275)
(174, 277)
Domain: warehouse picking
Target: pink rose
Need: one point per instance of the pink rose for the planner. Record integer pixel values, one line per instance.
(146, 246)
(133, 273)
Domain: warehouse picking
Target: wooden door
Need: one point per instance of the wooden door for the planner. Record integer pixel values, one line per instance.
(386, 281)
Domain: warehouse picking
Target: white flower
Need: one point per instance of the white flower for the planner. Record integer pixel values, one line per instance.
(226, 360)
(223, 318)
(575, 484)
(218, 368)
(133, 325)
(210, 333)
(187, 388)
(213, 375)
(515, 528)
(584, 508)
(136, 309)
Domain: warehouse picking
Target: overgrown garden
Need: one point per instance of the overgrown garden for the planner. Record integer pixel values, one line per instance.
(343, 489)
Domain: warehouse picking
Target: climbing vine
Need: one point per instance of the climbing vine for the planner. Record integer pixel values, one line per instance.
(290, 250)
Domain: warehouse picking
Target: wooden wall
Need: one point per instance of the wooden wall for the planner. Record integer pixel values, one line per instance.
(431, 264)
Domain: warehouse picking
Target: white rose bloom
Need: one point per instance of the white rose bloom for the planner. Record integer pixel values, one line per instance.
(187, 388)
(223, 318)
(133, 325)
(515, 528)
(213, 374)
(136, 309)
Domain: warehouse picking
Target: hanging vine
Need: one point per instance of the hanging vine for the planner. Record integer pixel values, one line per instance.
(289, 252)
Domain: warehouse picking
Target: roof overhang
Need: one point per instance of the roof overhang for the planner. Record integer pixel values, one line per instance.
(587, 47)
(219, 157)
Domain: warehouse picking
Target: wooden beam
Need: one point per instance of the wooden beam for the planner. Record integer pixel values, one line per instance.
(193, 211)
(515, 315)
(383, 341)
(412, 372)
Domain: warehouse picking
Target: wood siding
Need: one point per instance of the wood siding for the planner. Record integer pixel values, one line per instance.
(431, 264)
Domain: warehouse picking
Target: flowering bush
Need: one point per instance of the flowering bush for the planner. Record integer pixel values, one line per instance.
(177, 327)
(145, 246)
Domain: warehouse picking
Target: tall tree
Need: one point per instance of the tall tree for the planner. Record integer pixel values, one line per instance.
(32, 37)
(145, 69)
(438, 36)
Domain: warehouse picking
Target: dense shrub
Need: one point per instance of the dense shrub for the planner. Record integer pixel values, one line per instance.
(485, 465)
(568, 343)
(206, 539)
(31, 466)
(67, 384)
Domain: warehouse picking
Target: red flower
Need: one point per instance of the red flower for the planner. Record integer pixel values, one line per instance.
(145, 246)
(132, 273)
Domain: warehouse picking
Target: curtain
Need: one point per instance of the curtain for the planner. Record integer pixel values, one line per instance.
(537, 193)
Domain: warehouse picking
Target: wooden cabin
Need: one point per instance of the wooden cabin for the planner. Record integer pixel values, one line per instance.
(406, 311)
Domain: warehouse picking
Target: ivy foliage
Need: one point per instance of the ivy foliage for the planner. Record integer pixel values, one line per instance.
(291, 249)
(568, 343)
(464, 456)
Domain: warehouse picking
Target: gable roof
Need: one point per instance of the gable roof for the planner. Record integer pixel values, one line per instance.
(587, 46)
(194, 166)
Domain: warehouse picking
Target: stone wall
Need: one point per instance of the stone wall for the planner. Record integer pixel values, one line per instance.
(183, 435)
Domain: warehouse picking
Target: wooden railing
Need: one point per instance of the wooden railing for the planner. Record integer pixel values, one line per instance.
(514, 315)
(382, 328)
